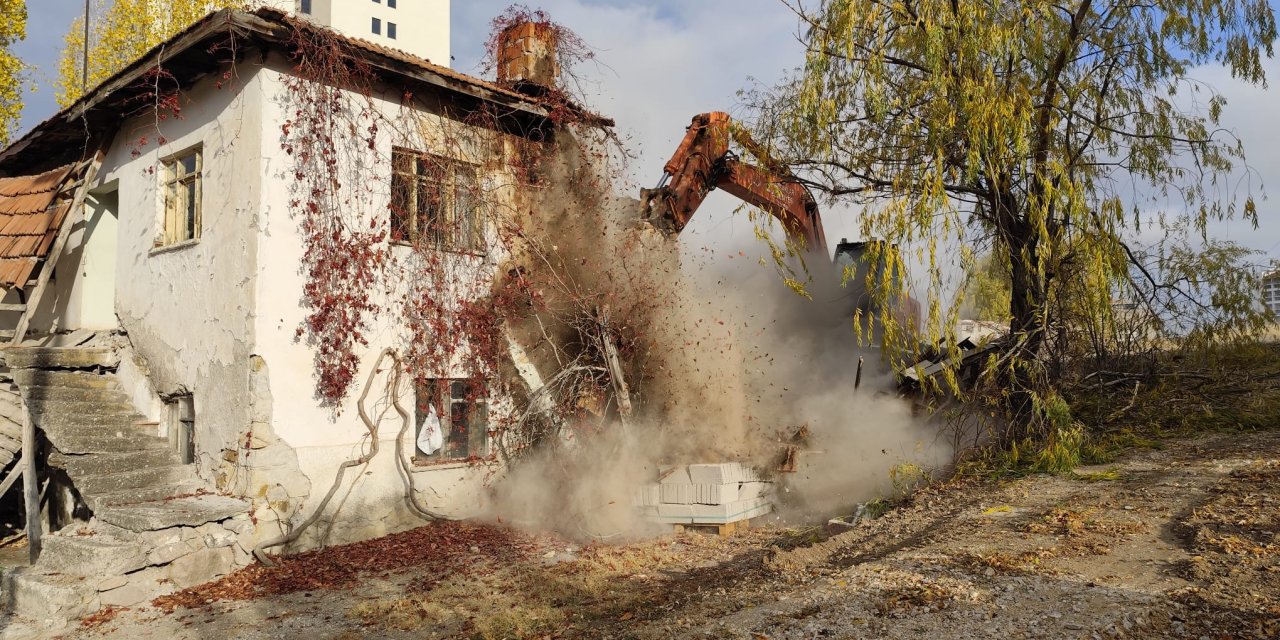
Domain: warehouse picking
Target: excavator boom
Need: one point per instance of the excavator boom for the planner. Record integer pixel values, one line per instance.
(703, 162)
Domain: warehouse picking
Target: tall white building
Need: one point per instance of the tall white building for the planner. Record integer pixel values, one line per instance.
(1271, 291)
(417, 27)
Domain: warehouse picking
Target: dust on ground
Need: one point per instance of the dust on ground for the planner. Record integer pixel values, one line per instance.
(1182, 541)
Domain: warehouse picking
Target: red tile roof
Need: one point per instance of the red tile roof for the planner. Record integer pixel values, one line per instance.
(62, 138)
(30, 217)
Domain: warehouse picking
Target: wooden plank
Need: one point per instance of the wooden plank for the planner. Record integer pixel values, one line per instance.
(17, 472)
(31, 486)
(12, 306)
(51, 260)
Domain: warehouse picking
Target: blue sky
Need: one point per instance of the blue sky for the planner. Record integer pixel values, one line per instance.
(663, 61)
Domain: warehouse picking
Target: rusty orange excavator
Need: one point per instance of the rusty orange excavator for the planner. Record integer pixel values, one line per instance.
(704, 162)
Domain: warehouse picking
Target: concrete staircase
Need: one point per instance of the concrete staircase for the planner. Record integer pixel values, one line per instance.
(155, 525)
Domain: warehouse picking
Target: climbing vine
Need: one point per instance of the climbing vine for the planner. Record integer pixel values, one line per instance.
(448, 241)
(325, 134)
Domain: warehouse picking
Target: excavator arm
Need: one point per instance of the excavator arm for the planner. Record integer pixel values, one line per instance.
(703, 162)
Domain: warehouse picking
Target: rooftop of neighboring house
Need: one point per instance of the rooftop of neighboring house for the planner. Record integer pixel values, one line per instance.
(205, 47)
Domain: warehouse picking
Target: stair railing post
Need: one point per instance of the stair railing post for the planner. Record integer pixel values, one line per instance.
(31, 485)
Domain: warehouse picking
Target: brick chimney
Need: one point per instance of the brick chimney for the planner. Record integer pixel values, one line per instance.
(527, 55)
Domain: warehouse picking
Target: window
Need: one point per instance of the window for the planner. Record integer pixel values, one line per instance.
(181, 212)
(391, 30)
(391, 4)
(463, 413)
(304, 6)
(180, 424)
(433, 202)
(377, 27)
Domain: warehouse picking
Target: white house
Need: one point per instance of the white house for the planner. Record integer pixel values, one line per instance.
(208, 162)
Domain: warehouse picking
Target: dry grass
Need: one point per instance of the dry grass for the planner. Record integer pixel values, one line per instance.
(909, 599)
(601, 585)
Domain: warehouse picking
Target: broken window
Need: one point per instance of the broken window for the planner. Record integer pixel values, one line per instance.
(181, 189)
(434, 203)
(461, 410)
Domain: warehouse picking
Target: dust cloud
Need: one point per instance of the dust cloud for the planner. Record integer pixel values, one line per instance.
(722, 363)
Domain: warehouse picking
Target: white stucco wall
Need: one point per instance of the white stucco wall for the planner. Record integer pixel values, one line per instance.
(187, 308)
(371, 501)
(81, 290)
(217, 317)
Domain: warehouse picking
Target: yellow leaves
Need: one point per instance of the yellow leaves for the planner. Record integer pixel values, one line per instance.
(13, 27)
(121, 31)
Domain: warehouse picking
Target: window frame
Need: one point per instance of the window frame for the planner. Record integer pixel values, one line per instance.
(178, 228)
(439, 393)
(463, 227)
(391, 30)
(377, 26)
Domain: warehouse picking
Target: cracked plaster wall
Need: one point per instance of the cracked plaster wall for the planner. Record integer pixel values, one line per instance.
(217, 317)
(371, 501)
(187, 308)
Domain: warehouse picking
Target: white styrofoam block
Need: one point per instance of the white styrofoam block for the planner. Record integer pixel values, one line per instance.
(730, 512)
(675, 510)
(721, 493)
(671, 519)
(699, 493)
(679, 475)
(648, 495)
(749, 490)
(721, 473)
(677, 493)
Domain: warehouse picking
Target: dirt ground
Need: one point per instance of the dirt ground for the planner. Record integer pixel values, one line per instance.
(1181, 541)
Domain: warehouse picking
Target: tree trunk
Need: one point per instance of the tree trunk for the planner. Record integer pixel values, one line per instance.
(1026, 325)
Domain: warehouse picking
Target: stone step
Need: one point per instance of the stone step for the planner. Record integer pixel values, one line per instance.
(111, 416)
(62, 408)
(60, 358)
(73, 394)
(95, 555)
(121, 425)
(100, 463)
(142, 495)
(76, 379)
(137, 478)
(162, 514)
(120, 440)
(49, 596)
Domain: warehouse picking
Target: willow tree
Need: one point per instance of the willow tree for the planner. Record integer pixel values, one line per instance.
(972, 126)
(13, 27)
(120, 31)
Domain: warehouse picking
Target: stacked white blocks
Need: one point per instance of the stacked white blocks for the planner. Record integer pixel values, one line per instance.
(706, 494)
